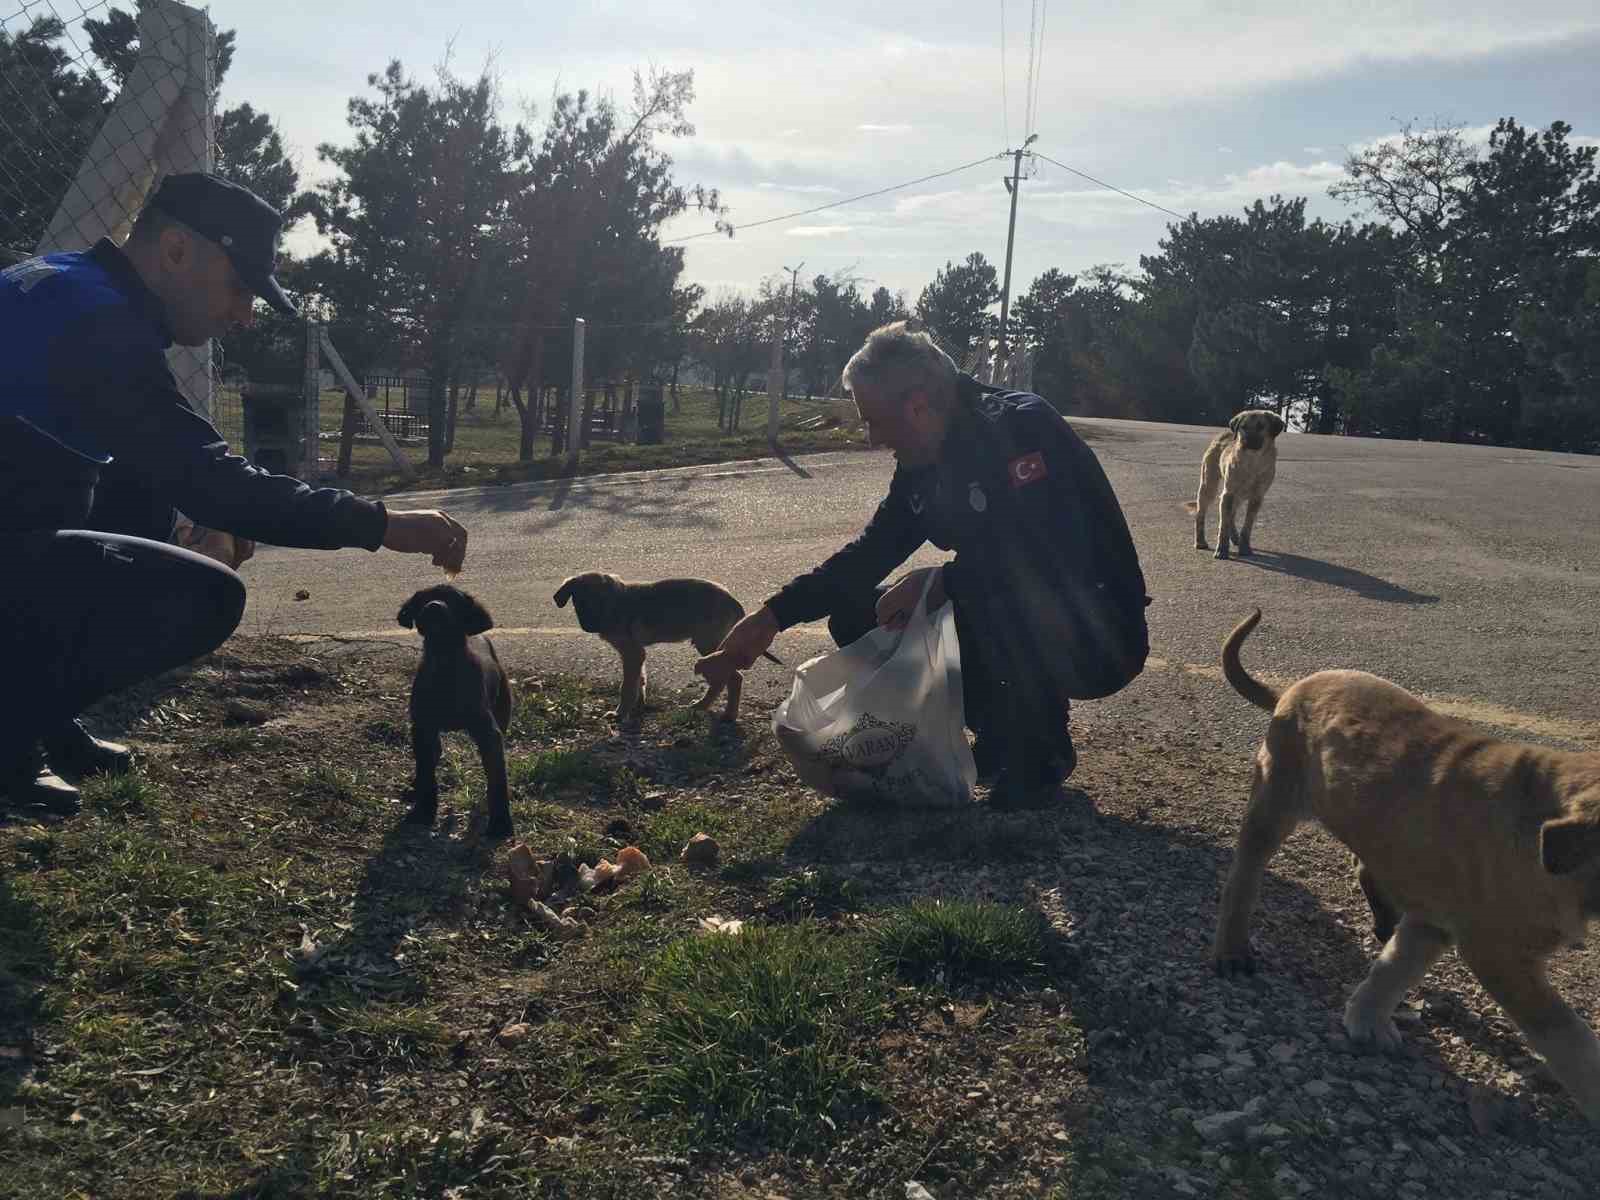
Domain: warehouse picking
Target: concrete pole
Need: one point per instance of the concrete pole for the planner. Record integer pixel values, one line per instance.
(575, 400)
(775, 371)
(1012, 185)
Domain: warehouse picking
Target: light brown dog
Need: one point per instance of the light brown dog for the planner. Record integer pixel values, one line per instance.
(1489, 844)
(631, 616)
(1240, 463)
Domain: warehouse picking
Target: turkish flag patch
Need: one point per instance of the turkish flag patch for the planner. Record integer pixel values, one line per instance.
(1027, 469)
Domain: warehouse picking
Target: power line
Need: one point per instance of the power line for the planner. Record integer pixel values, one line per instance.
(1005, 100)
(1027, 96)
(837, 203)
(1038, 75)
(1110, 186)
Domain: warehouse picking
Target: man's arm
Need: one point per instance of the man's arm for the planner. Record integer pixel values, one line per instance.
(125, 398)
(891, 537)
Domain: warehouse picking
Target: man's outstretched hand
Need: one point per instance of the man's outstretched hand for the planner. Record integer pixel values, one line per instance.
(746, 642)
(430, 532)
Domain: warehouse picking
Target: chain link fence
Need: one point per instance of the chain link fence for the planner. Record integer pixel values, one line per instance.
(96, 107)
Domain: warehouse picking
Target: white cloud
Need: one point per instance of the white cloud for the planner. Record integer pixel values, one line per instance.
(885, 128)
(822, 231)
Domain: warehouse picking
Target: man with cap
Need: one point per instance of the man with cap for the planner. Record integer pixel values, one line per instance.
(98, 446)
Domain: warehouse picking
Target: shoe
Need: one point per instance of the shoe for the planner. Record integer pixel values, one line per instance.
(29, 782)
(1035, 782)
(75, 750)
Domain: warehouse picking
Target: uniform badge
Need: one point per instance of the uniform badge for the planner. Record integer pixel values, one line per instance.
(977, 499)
(1027, 469)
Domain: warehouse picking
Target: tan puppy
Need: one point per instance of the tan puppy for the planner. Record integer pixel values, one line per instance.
(1240, 462)
(1489, 844)
(631, 616)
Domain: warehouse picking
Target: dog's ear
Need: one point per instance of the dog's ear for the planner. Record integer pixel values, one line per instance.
(407, 615)
(564, 592)
(1237, 423)
(1276, 422)
(474, 617)
(1568, 843)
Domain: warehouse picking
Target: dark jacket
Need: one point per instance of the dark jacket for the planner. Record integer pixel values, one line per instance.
(86, 391)
(1044, 563)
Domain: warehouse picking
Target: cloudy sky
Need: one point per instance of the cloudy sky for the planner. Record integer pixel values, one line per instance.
(1194, 106)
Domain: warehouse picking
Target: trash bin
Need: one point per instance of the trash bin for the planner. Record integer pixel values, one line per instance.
(274, 434)
(652, 416)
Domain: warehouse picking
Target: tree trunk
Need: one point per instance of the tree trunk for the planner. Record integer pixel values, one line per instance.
(676, 363)
(525, 417)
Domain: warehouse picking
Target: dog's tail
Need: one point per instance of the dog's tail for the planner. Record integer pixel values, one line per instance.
(1189, 506)
(1251, 689)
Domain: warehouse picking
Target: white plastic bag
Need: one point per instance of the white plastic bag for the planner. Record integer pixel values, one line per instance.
(881, 719)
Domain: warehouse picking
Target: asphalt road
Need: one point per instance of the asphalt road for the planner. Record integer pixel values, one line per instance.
(1469, 574)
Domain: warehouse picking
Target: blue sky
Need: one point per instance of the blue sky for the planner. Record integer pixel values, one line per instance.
(1199, 106)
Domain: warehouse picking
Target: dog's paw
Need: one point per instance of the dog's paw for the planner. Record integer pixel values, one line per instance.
(1368, 1028)
(1244, 549)
(1222, 552)
(1201, 544)
(1235, 966)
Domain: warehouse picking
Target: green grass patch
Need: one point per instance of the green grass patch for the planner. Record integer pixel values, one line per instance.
(117, 795)
(961, 944)
(550, 771)
(550, 709)
(329, 785)
(812, 893)
(756, 1036)
(667, 832)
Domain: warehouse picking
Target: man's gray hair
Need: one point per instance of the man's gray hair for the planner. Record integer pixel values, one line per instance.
(898, 359)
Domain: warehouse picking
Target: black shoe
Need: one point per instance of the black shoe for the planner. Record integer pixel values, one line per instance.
(28, 782)
(75, 750)
(1034, 782)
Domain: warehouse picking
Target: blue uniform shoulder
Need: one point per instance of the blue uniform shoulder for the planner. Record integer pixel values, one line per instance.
(45, 293)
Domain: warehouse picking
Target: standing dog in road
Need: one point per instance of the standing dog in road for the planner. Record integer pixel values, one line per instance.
(631, 616)
(1240, 462)
(459, 685)
(1491, 845)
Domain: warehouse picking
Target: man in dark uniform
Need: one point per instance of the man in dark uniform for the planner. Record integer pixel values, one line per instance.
(1049, 599)
(97, 448)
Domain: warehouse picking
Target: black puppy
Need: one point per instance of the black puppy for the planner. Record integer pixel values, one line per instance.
(459, 685)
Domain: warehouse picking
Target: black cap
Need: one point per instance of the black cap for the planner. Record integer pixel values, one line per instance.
(238, 220)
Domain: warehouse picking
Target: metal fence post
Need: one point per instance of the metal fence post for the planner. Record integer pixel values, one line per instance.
(575, 400)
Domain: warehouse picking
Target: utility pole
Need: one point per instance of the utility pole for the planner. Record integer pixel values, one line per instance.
(775, 373)
(1012, 183)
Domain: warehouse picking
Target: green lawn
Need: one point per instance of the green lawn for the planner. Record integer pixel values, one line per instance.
(486, 442)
